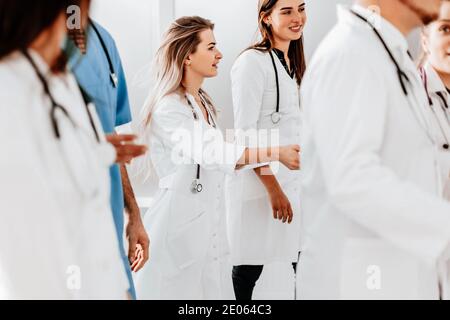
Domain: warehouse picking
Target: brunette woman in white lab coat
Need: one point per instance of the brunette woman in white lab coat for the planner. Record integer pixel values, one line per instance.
(57, 236)
(264, 205)
(190, 159)
(435, 71)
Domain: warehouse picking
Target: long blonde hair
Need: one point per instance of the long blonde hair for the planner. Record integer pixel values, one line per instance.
(180, 41)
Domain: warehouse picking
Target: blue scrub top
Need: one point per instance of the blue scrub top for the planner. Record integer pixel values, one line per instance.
(93, 75)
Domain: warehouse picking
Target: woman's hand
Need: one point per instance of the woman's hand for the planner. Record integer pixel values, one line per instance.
(126, 149)
(290, 156)
(281, 206)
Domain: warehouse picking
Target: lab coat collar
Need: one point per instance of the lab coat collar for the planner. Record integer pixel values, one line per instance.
(434, 82)
(391, 35)
(42, 66)
(199, 109)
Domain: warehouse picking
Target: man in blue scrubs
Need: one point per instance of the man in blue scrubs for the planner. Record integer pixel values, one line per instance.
(99, 72)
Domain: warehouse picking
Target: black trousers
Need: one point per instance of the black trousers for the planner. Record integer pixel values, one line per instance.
(245, 278)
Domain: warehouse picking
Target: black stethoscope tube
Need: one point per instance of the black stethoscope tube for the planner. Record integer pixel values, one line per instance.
(112, 72)
(401, 74)
(55, 105)
(276, 115)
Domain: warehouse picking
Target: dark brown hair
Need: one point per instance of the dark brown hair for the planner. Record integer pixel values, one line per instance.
(296, 50)
(21, 21)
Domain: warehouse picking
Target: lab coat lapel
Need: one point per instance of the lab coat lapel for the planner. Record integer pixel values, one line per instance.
(283, 76)
(418, 97)
(436, 87)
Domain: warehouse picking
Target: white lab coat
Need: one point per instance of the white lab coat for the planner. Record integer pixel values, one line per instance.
(376, 226)
(57, 241)
(188, 233)
(440, 122)
(256, 238)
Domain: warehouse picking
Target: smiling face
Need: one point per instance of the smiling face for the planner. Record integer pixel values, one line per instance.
(436, 40)
(205, 60)
(287, 20)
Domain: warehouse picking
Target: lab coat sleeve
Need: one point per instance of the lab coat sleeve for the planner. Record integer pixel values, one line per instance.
(248, 85)
(348, 142)
(192, 140)
(31, 246)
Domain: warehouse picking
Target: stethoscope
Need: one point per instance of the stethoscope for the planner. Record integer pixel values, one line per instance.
(56, 106)
(112, 72)
(402, 76)
(276, 116)
(444, 106)
(196, 186)
(72, 144)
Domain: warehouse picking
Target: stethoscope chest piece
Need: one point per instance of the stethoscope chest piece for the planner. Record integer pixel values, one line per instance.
(196, 187)
(276, 117)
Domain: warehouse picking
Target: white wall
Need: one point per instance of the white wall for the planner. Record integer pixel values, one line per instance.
(133, 25)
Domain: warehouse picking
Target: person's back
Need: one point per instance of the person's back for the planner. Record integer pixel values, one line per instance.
(370, 180)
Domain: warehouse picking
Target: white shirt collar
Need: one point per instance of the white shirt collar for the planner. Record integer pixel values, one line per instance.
(391, 35)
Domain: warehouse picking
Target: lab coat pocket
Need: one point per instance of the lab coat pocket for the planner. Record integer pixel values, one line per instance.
(188, 231)
(372, 269)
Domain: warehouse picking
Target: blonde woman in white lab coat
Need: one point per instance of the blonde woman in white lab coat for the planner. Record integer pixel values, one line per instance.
(264, 205)
(57, 236)
(190, 159)
(435, 71)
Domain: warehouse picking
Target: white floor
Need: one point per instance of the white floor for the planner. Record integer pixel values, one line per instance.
(276, 283)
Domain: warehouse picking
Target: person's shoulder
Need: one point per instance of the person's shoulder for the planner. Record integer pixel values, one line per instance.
(252, 60)
(344, 46)
(252, 54)
(106, 35)
(171, 104)
(11, 70)
(170, 100)
(107, 38)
